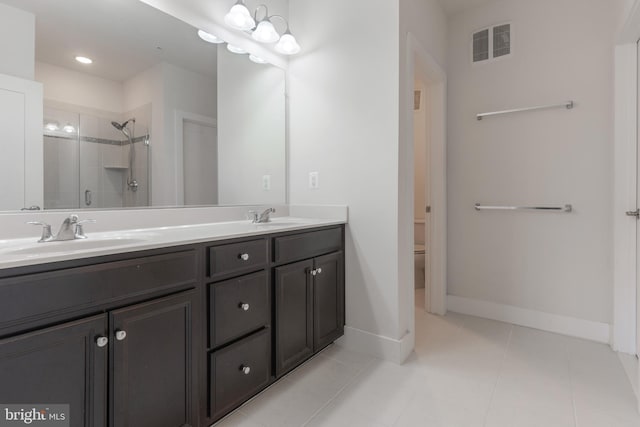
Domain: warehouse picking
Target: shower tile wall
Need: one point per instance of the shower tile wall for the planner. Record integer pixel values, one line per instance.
(91, 171)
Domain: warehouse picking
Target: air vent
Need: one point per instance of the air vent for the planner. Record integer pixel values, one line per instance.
(481, 46)
(501, 40)
(493, 42)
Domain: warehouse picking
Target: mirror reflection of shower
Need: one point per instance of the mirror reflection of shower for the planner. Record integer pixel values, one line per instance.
(132, 184)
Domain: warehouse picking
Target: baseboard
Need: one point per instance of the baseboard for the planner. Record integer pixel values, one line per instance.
(630, 365)
(565, 325)
(379, 346)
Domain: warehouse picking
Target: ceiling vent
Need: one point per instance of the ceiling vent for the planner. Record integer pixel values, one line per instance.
(492, 43)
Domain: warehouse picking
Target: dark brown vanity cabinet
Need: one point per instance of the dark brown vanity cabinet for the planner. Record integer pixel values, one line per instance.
(128, 361)
(239, 360)
(171, 337)
(59, 365)
(309, 295)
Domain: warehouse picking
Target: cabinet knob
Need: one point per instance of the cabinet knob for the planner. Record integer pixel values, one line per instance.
(314, 272)
(245, 369)
(120, 335)
(319, 270)
(244, 257)
(244, 306)
(102, 341)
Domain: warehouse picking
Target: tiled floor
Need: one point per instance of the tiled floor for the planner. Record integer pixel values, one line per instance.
(465, 372)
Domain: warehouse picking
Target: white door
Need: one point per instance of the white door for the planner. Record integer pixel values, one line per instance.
(200, 163)
(20, 143)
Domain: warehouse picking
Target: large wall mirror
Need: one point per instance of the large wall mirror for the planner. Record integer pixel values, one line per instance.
(159, 118)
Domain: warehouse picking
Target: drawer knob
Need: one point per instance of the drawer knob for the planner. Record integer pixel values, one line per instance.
(244, 257)
(245, 369)
(120, 335)
(244, 306)
(102, 341)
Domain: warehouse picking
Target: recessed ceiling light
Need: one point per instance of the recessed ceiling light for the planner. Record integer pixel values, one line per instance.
(84, 60)
(257, 59)
(236, 49)
(69, 128)
(209, 38)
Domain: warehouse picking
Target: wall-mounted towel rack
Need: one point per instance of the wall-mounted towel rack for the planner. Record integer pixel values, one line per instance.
(565, 208)
(568, 105)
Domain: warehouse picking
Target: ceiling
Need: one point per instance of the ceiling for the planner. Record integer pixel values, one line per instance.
(452, 7)
(123, 37)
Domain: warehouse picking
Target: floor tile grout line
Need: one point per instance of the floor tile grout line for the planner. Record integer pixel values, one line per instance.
(355, 377)
(495, 385)
(573, 396)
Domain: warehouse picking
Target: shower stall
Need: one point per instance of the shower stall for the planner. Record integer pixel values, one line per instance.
(93, 161)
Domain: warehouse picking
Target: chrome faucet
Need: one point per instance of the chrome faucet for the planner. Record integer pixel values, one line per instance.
(260, 218)
(71, 229)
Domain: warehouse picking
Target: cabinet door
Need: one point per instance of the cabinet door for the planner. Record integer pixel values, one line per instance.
(294, 316)
(328, 300)
(59, 365)
(152, 381)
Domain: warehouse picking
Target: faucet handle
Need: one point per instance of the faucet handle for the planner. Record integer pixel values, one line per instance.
(253, 216)
(46, 231)
(79, 234)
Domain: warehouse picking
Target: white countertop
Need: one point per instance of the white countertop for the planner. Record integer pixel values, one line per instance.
(26, 251)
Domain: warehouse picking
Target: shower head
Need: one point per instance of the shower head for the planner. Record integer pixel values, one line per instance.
(122, 127)
(118, 125)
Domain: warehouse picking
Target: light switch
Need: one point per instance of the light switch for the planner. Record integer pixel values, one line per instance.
(314, 180)
(266, 182)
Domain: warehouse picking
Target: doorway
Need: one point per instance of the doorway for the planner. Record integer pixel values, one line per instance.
(196, 159)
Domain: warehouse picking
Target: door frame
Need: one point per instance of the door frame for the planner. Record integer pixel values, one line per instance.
(180, 118)
(421, 64)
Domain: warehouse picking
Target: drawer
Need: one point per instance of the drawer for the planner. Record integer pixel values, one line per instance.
(238, 307)
(237, 257)
(38, 299)
(231, 382)
(306, 245)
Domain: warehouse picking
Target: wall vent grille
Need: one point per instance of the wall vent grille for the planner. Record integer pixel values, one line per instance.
(492, 42)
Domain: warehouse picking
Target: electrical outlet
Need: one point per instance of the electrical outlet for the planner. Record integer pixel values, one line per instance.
(266, 182)
(314, 180)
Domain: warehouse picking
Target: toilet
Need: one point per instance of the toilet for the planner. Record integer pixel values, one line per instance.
(419, 253)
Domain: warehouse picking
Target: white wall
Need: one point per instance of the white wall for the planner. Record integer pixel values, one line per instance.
(344, 124)
(168, 88)
(546, 262)
(81, 89)
(17, 42)
(251, 130)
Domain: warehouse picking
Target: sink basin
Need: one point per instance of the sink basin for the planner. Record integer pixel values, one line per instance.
(74, 245)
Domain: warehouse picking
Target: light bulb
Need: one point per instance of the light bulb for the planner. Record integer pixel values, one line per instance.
(288, 45)
(236, 49)
(239, 17)
(209, 38)
(257, 59)
(68, 128)
(265, 32)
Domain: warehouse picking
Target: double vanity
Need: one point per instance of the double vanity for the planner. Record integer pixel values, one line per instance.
(168, 326)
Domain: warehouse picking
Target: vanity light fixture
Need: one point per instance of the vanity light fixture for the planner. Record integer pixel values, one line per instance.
(236, 49)
(84, 60)
(257, 59)
(209, 38)
(239, 17)
(68, 128)
(262, 30)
